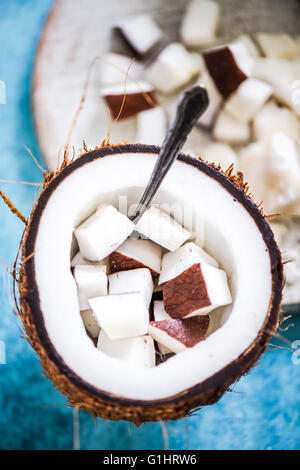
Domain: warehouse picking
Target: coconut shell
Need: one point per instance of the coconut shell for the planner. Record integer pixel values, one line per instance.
(97, 402)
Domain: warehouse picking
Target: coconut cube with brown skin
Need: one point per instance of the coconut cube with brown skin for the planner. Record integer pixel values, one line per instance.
(229, 66)
(196, 291)
(128, 100)
(176, 262)
(137, 253)
(177, 335)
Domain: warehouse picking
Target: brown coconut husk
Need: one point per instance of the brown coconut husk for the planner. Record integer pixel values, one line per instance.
(109, 406)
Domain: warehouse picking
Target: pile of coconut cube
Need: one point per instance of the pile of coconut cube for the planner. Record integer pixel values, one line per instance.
(253, 85)
(142, 299)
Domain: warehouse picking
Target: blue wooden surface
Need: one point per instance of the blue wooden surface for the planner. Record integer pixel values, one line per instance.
(262, 411)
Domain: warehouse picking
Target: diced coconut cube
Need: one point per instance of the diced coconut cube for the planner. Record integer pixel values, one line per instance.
(138, 351)
(173, 68)
(282, 75)
(137, 253)
(229, 129)
(152, 126)
(247, 42)
(247, 100)
(272, 170)
(200, 22)
(215, 100)
(160, 314)
(229, 66)
(178, 335)
(140, 32)
(162, 229)
(121, 315)
(280, 46)
(79, 259)
(273, 118)
(91, 281)
(196, 291)
(114, 68)
(178, 261)
(129, 99)
(135, 280)
(90, 323)
(220, 154)
(103, 232)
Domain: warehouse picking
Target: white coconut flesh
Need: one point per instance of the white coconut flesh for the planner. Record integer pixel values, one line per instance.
(231, 237)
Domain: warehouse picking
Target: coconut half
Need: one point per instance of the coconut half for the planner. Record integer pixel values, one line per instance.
(236, 234)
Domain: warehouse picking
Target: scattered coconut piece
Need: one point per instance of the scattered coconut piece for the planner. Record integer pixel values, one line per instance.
(103, 232)
(229, 129)
(247, 42)
(199, 23)
(90, 323)
(140, 32)
(247, 100)
(229, 66)
(151, 126)
(129, 99)
(162, 229)
(280, 46)
(178, 261)
(220, 154)
(91, 281)
(160, 314)
(272, 170)
(196, 291)
(121, 315)
(282, 76)
(136, 253)
(178, 335)
(113, 68)
(173, 68)
(138, 351)
(134, 280)
(215, 100)
(272, 118)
